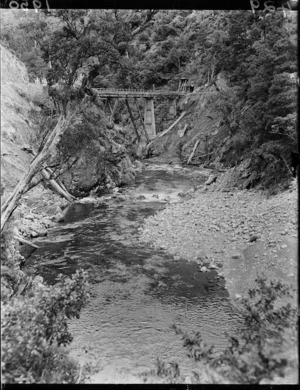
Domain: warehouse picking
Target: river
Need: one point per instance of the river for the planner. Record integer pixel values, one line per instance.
(138, 292)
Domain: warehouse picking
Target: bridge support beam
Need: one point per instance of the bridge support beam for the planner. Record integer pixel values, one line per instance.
(172, 108)
(113, 111)
(149, 118)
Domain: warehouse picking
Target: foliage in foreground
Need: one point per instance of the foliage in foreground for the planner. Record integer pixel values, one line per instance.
(35, 330)
(262, 348)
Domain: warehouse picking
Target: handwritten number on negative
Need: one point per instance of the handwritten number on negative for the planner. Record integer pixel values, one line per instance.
(24, 5)
(13, 4)
(270, 7)
(254, 5)
(37, 4)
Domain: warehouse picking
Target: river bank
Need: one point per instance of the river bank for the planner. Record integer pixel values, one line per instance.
(239, 233)
(139, 290)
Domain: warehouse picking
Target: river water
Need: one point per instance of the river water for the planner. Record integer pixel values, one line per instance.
(137, 292)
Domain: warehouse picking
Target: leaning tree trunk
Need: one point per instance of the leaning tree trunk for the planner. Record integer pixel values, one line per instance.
(35, 166)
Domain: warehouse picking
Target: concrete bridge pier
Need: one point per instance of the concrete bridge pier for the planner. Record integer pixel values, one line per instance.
(172, 108)
(149, 118)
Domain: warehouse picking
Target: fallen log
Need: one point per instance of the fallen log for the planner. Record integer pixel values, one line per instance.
(21, 239)
(173, 125)
(193, 152)
(182, 132)
(35, 167)
(59, 182)
(56, 186)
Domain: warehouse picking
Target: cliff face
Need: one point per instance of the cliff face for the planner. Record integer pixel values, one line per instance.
(18, 105)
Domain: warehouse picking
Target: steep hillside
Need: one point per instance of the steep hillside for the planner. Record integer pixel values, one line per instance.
(201, 123)
(17, 106)
(266, 166)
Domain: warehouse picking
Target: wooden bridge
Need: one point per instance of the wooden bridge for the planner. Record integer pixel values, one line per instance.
(148, 121)
(137, 93)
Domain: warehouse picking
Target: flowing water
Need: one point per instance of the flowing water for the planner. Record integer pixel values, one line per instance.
(138, 292)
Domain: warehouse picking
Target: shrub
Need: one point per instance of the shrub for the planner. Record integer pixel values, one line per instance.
(34, 329)
(262, 348)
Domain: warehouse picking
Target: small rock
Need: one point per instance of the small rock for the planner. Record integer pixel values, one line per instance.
(236, 256)
(210, 180)
(213, 266)
(33, 234)
(284, 246)
(238, 296)
(176, 257)
(253, 238)
(203, 269)
(42, 232)
(59, 217)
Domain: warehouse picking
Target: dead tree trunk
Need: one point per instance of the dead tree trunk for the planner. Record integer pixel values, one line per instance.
(55, 183)
(193, 152)
(35, 167)
(56, 186)
(59, 182)
(173, 125)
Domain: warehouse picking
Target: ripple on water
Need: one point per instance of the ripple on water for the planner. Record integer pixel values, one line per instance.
(138, 293)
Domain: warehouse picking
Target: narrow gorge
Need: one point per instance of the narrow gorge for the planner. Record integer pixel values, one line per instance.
(149, 190)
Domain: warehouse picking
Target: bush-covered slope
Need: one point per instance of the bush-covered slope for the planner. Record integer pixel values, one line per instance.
(244, 108)
(243, 67)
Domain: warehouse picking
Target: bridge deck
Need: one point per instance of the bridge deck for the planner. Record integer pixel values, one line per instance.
(106, 92)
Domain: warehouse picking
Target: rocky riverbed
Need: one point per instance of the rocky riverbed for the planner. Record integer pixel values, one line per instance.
(231, 231)
(139, 290)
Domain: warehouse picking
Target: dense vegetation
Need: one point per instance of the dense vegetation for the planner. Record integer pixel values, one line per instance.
(34, 322)
(254, 53)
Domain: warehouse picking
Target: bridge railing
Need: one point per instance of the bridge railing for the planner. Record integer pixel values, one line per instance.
(142, 92)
